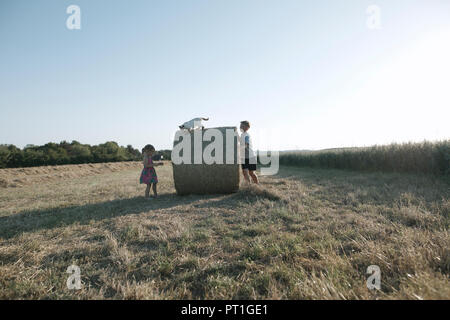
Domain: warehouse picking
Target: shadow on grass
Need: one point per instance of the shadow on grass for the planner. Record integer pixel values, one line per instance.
(375, 188)
(245, 195)
(33, 220)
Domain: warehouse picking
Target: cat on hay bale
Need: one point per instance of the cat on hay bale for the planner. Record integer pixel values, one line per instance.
(193, 124)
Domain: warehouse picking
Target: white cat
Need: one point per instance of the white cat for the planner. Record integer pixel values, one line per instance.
(193, 124)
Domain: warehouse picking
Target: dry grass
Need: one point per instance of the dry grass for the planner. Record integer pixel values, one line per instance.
(304, 234)
(425, 157)
(11, 178)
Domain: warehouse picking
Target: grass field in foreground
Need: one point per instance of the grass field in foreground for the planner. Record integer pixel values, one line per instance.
(305, 234)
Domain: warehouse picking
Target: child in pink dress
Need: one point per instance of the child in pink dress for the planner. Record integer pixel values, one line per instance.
(148, 175)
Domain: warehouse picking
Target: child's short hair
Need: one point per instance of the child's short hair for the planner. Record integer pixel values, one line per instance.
(245, 123)
(148, 147)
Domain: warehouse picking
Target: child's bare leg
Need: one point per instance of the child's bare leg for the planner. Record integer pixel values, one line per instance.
(246, 177)
(154, 190)
(254, 177)
(147, 191)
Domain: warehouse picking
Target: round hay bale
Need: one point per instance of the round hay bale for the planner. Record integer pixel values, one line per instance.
(199, 176)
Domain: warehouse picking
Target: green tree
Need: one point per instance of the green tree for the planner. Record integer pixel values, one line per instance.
(81, 154)
(5, 156)
(33, 157)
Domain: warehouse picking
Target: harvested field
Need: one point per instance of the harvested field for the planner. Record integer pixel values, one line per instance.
(303, 234)
(17, 177)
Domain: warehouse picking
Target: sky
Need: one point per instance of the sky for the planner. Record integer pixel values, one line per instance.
(306, 74)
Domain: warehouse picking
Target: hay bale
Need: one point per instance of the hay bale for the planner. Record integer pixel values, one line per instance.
(205, 178)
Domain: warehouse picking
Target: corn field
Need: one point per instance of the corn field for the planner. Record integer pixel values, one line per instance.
(425, 157)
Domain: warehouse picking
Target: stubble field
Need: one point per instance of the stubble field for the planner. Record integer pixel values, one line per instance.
(303, 234)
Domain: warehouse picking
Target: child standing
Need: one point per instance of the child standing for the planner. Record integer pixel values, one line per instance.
(249, 165)
(148, 175)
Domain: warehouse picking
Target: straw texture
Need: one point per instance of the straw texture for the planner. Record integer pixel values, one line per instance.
(208, 178)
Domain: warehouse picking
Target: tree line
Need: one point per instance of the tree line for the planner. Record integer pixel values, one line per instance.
(69, 153)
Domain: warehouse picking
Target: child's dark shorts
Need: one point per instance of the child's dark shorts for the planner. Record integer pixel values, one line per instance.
(249, 166)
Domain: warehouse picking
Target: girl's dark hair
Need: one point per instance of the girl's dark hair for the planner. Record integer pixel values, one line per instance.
(148, 147)
(246, 123)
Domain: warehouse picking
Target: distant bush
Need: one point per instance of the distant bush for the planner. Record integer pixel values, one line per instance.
(166, 154)
(65, 153)
(425, 157)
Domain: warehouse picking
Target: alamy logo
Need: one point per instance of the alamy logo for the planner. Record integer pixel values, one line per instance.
(218, 146)
(374, 280)
(374, 18)
(73, 22)
(74, 280)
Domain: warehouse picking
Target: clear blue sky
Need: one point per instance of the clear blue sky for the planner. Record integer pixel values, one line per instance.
(306, 74)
